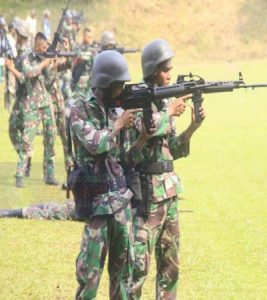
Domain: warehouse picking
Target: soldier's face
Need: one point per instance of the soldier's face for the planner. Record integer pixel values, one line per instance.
(116, 89)
(40, 45)
(87, 37)
(163, 76)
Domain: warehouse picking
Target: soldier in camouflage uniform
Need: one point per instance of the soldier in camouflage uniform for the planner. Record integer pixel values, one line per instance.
(156, 223)
(52, 86)
(81, 73)
(68, 30)
(96, 132)
(35, 70)
(43, 211)
(23, 103)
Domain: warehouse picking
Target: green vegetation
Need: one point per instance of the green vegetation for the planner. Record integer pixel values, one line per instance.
(223, 243)
(206, 29)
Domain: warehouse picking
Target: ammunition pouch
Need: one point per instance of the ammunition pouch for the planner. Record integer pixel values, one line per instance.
(85, 186)
(159, 167)
(146, 185)
(134, 184)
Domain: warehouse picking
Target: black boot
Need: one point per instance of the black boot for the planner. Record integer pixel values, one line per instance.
(50, 180)
(10, 213)
(19, 182)
(28, 168)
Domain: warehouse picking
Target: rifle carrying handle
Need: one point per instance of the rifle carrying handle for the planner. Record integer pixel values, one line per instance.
(197, 102)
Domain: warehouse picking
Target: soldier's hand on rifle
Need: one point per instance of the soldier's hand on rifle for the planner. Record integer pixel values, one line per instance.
(194, 125)
(144, 135)
(126, 119)
(9, 64)
(46, 62)
(178, 106)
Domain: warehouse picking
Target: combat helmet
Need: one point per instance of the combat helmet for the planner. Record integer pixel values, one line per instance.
(153, 54)
(21, 28)
(108, 38)
(109, 66)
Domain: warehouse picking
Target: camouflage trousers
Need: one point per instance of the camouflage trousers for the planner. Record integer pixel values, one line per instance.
(60, 120)
(50, 211)
(160, 232)
(61, 127)
(15, 126)
(22, 139)
(102, 234)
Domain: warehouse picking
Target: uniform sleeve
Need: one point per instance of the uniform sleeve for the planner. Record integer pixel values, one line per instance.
(178, 147)
(95, 141)
(30, 71)
(130, 154)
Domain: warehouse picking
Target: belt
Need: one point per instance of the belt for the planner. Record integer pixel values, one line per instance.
(159, 167)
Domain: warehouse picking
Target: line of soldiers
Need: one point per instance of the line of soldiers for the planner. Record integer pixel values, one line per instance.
(44, 90)
(129, 196)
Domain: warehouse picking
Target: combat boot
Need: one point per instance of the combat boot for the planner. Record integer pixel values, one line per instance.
(28, 168)
(10, 213)
(19, 182)
(50, 180)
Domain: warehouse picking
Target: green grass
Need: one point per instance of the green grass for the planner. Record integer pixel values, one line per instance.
(223, 243)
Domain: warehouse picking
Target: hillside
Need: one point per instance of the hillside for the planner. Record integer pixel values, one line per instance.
(206, 30)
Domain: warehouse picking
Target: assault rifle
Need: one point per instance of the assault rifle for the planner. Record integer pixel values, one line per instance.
(56, 39)
(213, 87)
(123, 50)
(142, 95)
(98, 46)
(52, 54)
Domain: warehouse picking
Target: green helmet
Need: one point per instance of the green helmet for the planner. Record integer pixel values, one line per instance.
(108, 38)
(109, 66)
(153, 54)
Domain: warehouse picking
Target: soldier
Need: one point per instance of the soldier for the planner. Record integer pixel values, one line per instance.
(52, 86)
(10, 82)
(22, 104)
(107, 211)
(43, 211)
(68, 30)
(36, 108)
(81, 73)
(108, 41)
(156, 221)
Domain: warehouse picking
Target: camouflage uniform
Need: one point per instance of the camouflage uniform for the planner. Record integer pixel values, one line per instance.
(81, 74)
(159, 229)
(21, 108)
(39, 109)
(109, 227)
(52, 85)
(66, 86)
(69, 32)
(51, 211)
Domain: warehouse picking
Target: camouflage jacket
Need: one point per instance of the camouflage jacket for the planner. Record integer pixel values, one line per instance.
(165, 145)
(81, 73)
(35, 81)
(69, 32)
(94, 141)
(52, 86)
(21, 90)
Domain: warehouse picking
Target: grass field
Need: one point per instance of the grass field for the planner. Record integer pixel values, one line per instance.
(223, 243)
